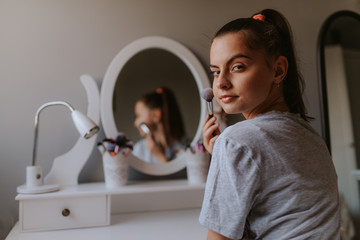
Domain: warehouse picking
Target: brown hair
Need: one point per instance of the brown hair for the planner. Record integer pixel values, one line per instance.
(164, 99)
(273, 35)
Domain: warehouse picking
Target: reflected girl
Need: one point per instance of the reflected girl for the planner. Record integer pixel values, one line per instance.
(158, 120)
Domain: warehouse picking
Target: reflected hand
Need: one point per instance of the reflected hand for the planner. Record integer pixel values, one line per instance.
(211, 132)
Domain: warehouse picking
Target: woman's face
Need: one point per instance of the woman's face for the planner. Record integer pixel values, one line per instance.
(243, 79)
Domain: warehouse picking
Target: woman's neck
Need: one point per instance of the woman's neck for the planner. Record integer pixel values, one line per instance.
(275, 102)
(159, 135)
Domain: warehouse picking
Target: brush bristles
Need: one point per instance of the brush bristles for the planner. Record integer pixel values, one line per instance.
(207, 94)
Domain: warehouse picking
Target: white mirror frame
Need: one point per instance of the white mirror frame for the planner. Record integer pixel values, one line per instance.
(108, 86)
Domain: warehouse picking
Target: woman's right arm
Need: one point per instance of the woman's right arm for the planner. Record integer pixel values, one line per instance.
(210, 130)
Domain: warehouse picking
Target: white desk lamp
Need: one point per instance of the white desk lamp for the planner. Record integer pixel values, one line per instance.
(34, 179)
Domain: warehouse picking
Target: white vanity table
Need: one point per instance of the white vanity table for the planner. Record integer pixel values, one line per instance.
(174, 225)
(138, 210)
(166, 209)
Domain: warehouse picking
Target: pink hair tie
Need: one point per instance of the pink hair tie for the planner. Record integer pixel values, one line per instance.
(259, 17)
(159, 90)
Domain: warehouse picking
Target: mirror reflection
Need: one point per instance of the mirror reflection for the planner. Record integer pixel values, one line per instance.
(339, 64)
(145, 73)
(159, 121)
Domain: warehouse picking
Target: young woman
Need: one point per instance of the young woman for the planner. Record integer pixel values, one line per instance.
(159, 113)
(271, 175)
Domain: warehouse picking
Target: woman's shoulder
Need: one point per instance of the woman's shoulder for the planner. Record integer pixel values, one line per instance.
(271, 119)
(264, 126)
(248, 127)
(241, 133)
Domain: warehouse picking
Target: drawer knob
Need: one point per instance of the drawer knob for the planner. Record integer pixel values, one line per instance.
(65, 212)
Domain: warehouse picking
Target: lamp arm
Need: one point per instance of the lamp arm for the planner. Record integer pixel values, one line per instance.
(37, 123)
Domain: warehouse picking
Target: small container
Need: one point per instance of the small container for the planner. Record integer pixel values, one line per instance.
(197, 165)
(115, 170)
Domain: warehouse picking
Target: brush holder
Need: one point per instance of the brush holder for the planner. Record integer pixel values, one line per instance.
(115, 170)
(197, 166)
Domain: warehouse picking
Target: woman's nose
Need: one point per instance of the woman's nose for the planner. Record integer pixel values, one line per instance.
(223, 81)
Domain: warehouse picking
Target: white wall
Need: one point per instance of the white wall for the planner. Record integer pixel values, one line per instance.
(45, 46)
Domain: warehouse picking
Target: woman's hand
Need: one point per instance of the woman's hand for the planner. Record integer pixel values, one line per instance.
(210, 130)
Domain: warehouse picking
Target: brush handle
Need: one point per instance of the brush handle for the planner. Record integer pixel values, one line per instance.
(210, 109)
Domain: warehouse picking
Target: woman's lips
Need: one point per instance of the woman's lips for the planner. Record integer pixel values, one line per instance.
(226, 98)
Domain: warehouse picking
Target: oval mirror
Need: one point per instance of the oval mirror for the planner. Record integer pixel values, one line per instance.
(142, 67)
(339, 58)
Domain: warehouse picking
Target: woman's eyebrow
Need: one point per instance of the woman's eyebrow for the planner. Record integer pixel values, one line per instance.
(240, 55)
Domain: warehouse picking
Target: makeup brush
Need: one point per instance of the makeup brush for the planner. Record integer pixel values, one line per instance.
(208, 95)
(144, 128)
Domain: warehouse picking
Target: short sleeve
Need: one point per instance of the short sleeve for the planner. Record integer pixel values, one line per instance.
(232, 185)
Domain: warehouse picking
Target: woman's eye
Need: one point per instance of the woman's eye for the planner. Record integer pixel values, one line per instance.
(215, 72)
(237, 68)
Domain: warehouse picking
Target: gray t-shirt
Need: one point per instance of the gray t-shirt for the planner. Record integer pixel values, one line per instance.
(271, 177)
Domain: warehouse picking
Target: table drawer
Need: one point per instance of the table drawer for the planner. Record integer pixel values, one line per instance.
(64, 213)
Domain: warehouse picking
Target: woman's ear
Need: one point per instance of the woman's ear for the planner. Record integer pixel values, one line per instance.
(281, 67)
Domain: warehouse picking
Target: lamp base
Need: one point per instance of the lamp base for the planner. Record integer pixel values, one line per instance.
(38, 189)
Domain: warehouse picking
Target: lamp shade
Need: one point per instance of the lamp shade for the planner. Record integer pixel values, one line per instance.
(84, 124)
